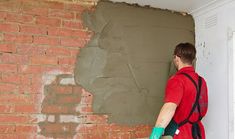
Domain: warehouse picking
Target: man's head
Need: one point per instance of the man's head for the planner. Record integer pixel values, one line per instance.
(184, 54)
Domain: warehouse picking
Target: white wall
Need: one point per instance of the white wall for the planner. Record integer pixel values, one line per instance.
(233, 84)
(213, 27)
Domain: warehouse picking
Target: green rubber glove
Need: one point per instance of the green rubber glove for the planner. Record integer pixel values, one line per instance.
(156, 133)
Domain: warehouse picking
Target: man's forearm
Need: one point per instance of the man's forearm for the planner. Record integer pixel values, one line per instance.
(166, 114)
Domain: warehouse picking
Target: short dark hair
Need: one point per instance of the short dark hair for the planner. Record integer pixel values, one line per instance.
(186, 51)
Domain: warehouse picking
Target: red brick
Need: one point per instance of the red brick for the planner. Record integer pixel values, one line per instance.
(73, 42)
(115, 127)
(33, 30)
(30, 69)
(65, 69)
(55, 5)
(67, 61)
(14, 59)
(141, 134)
(31, 50)
(37, 79)
(62, 14)
(121, 135)
(25, 79)
(74, 7)
(13, 119)
(68, 99)
(1, 37)
(16, 136)
(74, 52)
(3, 15)
(125, 135)
(81, 128)
(7, 48)
(11, 17)
(0, 77)
(62, 89)
(14, 99)
(20, 38)
(127, 128)
(97, 135)
(16, 78)
(56, 51)
(8, 88)
(36, 99)
(114, 135)
(7, 108)
(86, 109)
(27, 108)
(79, 16)
(143, 127)
(10, 6)
(97, 127)
(7, 129)
(26, 89)
(83, 136)
(46, 40)
(77, 89)
(56, 109)
(48, 21)
(108, 127)
(8, 27)
(96, 119)
(87, 100)
(72, 24)
(30, 89)
(66, 32)
(55, 127)
(26, 128)
(82, 33)
(11, 78)
(35, 11)
(8, 68)
(60, 32)
(44, 60)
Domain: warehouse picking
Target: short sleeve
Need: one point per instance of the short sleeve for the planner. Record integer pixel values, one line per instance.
(174, 90)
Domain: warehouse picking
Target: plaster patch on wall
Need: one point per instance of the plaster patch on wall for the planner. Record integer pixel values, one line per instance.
(47, 78)
(70, 118)
(39, 117)
(59, 115)
(68, 81)
(128, 60)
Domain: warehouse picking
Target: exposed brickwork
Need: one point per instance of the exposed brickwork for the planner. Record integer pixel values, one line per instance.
(39, 43)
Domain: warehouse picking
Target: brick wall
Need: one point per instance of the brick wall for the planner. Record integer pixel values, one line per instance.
(39, 44)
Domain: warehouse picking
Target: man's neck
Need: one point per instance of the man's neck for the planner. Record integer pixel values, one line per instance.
(184, 65)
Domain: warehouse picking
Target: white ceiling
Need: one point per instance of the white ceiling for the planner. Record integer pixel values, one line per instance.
(188, 6)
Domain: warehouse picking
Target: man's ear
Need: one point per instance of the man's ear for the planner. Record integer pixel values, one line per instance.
(177, 58)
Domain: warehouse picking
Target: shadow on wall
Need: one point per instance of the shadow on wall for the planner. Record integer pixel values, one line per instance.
(127, 62)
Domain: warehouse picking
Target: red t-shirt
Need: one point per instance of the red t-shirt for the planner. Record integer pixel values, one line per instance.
(181, 91)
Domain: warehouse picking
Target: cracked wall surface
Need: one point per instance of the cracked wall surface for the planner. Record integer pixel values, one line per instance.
(128, 60)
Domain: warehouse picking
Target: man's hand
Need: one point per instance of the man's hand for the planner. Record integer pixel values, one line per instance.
(156, 133)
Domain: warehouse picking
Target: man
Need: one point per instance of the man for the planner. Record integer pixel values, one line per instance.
(186, 100)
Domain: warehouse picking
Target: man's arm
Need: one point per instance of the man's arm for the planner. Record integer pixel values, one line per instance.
(166, 114)
(164, 118)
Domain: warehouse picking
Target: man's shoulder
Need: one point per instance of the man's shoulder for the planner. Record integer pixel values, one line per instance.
(203, 79)
(176, 77)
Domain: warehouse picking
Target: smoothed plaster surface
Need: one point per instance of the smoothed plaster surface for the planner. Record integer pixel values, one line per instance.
(128, 60)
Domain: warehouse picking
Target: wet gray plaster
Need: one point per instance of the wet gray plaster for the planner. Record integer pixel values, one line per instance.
(128, 60)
